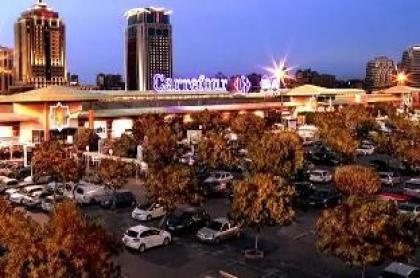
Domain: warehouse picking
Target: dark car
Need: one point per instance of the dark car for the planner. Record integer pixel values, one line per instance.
(379, 165)
(118, 199)
(324, 197)
(187, 221)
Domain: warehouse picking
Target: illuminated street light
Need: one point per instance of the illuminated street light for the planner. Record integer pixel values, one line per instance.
(401, 78)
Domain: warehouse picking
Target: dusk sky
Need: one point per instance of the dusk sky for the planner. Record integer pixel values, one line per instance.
(238, 36)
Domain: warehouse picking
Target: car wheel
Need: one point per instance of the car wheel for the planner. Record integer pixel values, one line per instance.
(142, 248)
(166, 241)
(149, 218)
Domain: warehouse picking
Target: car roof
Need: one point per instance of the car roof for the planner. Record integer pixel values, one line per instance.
(31, 187)
(222, 220)
(410, 204)
(400, 268)
(414, 180)
(139, 228)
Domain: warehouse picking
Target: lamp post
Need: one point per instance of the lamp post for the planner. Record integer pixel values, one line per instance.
(401, 78)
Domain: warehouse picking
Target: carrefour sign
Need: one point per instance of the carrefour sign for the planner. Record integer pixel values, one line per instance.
(239, 84)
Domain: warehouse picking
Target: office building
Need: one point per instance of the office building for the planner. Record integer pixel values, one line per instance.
(40, 47)
(6, 69)
(109, 82)
(379, 73)
(148, 47)
(311, 77)
(410, 65)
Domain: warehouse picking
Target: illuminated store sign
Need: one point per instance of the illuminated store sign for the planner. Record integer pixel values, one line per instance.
(201, 84)
(59, 117)
(269, 84)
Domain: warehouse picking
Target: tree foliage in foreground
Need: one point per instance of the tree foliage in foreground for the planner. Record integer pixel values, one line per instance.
(66, 246)
(262, 201)
(215, 152)
(172, 186)
(280, 154)
(357, 180)
(114, 174)
(363, 232)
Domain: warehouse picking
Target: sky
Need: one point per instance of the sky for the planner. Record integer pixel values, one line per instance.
(238, 36)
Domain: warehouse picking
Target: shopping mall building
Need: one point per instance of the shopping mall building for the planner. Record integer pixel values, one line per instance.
(38, 115)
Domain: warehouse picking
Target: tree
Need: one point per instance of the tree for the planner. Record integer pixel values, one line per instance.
(68, 245)
(114, 174)
(160, 146)
(280, 154)
(248, 125)
(86, 137)
(143, 124)
(124, 145)
(214, 152)
(357, 180)
(46, 158)
(262, 201)
(209, 121)
(362, 232)
(172, 186)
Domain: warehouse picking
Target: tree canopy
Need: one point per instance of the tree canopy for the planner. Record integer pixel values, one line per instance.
(68, 245)
(114, 174)
(357, 180)
(215, 152)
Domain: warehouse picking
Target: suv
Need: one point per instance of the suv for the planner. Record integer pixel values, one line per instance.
(217, 230)
(187, 221)
(141, 238)
(118, 199)
(89, 193)
(320, 176)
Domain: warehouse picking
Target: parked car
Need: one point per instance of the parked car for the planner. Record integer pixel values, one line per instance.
(118, 199)
(365, 149)
(88, 194)
(9, 192)
(142, 238)
(412, 187)
(34, 200)
(400, 270)
(219, 177)
(320, 176)
(411, 209)
(394, 197)
(218, 230)
(379, 165)
(324, 197)
(6, 183)
(147, 212)
(187, 220)
(32, 190)
(389, 178)
(48, 203)
(303, 190)
(188, 158)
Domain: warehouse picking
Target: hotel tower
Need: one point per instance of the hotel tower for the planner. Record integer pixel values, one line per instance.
(148, 47)
(40, 47)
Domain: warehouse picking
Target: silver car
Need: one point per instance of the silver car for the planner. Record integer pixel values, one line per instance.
(389, 178)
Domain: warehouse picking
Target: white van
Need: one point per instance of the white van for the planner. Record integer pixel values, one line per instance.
(89, 193)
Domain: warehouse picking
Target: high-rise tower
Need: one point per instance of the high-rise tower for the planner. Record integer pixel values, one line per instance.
(379, 73)
(40, 47)
(410, 65)
(148, 47)
(6, 68)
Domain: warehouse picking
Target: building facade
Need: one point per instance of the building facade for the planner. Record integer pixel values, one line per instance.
(148, 47)
(379, 73)
(310, 77)
(6, 69)
(40, 47)
(109, 82)
(410, 65)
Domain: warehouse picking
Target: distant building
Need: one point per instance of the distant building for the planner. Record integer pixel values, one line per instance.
(350, 84)
(148, 47)
(40, 48)
(109, 82)
(308, 76)
(379, 73)
(6, 69)
(73, 79)
(410, 64)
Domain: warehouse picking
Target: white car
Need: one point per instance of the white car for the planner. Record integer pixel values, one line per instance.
(32, 190)
(147, 212)
(9, 192)
(219, 229)
(219, 177)
(365, 150)
(188, 158)
(320, 176)
(412, 187)
(142, 238)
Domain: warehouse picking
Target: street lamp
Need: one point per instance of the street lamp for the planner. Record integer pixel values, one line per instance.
(401, 78)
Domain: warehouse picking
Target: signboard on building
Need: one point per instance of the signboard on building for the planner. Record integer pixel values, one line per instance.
(239, 84)
(59, 117)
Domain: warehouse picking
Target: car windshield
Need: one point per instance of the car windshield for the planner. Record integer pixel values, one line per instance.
(318, 174)
(132, 233)
(215, 226)
(322, 194)
(383, 176)
(145, 206)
